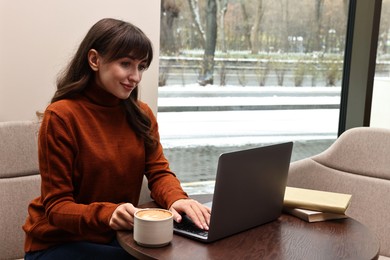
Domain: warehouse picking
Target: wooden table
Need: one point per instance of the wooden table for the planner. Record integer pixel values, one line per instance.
(286, 238)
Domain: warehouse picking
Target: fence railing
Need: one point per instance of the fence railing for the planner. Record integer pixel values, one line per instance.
(258, 72)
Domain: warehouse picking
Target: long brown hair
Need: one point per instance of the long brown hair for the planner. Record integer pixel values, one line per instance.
(112, 39)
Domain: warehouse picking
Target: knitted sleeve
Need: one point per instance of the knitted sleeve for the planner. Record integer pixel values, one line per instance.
(163, 183)
(57, 152)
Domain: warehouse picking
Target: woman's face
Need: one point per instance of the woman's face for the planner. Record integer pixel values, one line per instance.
(119, 77)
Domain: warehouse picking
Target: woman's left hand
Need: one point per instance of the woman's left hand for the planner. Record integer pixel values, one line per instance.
(198, 213)
(123, 217)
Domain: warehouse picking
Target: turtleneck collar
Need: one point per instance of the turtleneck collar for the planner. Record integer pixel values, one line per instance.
(99, 96)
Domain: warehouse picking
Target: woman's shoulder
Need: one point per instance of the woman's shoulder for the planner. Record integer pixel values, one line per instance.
(145, 107)
(64, 107)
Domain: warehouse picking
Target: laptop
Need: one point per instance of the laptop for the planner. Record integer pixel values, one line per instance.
(249, 191)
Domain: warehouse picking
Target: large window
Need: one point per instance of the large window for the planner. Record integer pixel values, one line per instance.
(380, 112)
(236, 74)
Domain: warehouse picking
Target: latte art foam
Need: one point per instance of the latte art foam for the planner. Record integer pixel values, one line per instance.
(153, 214)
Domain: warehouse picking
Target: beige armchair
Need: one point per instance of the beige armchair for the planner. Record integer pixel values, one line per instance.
(20, 183)
(357, 163)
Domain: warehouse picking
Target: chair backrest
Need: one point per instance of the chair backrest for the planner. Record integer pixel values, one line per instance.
(19, 182)
(357, 163)
(145, 192)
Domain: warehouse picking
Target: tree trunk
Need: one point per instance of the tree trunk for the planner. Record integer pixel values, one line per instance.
(169, 11)
(222, 7)
(256, 28)
(207, 71)
(318, 13)
(283, 43)
(247, 30)
(194, 10)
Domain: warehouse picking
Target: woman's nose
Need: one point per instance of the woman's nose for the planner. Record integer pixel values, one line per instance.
(135, 75)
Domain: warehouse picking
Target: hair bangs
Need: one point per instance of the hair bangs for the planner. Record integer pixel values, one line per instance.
(132, 42)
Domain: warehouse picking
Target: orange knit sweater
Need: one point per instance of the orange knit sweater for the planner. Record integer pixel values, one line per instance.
(91, 161)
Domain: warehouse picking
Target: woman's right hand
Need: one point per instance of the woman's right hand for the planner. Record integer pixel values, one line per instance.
(123, 217)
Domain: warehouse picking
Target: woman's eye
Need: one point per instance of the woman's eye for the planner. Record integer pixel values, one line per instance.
(142, 67)
(125, 64)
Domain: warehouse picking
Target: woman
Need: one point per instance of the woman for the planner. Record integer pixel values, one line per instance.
(96, 142)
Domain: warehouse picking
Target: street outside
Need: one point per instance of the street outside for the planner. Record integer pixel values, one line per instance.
(193, 140)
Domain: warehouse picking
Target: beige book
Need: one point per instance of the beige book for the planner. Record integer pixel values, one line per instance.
(317, 200)
(313, 216)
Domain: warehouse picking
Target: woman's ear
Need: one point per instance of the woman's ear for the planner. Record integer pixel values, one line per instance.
(93, 59)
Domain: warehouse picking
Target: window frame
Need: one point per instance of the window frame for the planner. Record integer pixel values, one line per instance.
(359, 63)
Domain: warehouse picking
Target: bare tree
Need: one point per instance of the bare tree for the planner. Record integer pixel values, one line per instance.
(169, 11)
(319, 4)
(222, 7)
(284, 25)
(207, 70)
(256, 27)
(247, 26)
(194, 10)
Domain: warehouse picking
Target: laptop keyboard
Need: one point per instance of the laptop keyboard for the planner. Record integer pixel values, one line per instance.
(187, 225)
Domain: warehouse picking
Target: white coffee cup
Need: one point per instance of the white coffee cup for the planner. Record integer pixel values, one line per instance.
(153, 227)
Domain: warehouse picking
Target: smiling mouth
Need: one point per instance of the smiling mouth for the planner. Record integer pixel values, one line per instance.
(128, 86)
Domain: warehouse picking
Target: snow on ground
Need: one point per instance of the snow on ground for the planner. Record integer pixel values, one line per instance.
(246, 126)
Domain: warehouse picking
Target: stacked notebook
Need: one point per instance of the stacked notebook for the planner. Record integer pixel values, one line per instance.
(315, 205)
